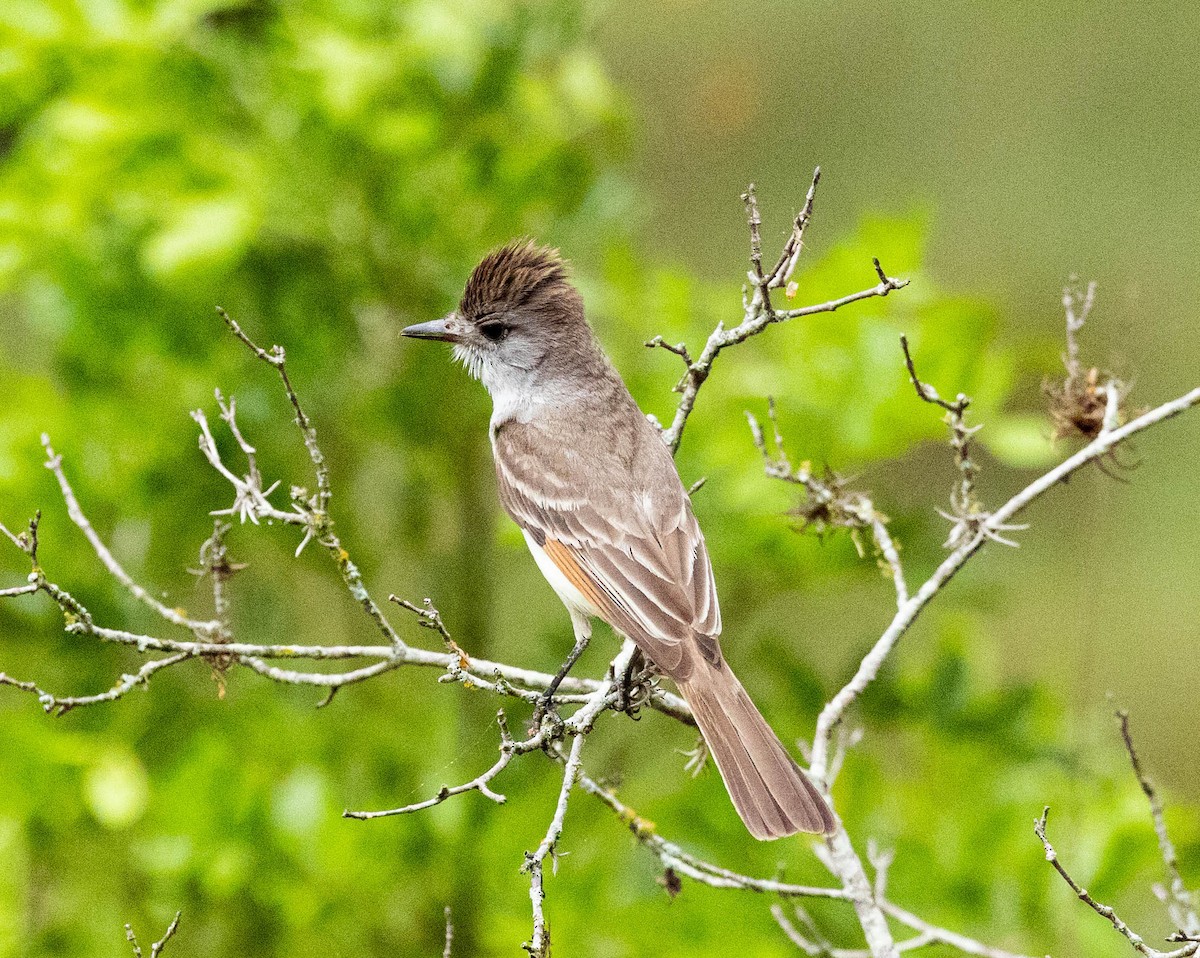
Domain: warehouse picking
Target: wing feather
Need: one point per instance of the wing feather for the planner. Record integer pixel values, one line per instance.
(622, 531)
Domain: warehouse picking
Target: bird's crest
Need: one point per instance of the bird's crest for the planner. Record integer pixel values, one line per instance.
(515, 275)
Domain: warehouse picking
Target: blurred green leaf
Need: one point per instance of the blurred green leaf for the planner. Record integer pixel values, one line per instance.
(117, 789)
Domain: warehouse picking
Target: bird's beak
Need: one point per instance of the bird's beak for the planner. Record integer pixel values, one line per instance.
(448, 329)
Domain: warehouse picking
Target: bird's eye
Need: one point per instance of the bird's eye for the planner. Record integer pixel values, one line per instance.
(493, 330)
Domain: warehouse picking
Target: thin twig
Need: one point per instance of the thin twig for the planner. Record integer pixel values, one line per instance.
(62, 704)
(1181, 904)
(480, 783)
(276, 357)
(1077, 306)
(781, 275)
(966, 511)
(1105, 911)
(157, 947)
(538, 945)
(758, 310)
(932, 934)
(115, 569)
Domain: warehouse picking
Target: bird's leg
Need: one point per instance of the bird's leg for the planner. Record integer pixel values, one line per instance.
(635, 677)
(583, 633)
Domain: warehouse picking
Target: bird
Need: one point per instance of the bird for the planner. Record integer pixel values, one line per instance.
(594, 489)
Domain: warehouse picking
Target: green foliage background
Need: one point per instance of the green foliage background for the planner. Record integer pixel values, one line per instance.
(329, 172)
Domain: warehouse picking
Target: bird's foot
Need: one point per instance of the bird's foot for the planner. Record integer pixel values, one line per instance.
(543, 712)
(635, 685)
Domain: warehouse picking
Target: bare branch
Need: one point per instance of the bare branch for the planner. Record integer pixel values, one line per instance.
(480, 783)
(223, 652)
(18, 540)
(431, 618)
(758, 310)
(448, 950)
(673, 857)
(1180, 902)
(927, 392)
(157, 947)
(250, 499)
(869, 667)
(931, 934)
(762, 282)
(1105, 911)
(781, 275)
(276, 357)
(61, 705)
(538, 945)
(830, 504)
(817, 944)
(1077, 305)
(966, 511)
(115, 569)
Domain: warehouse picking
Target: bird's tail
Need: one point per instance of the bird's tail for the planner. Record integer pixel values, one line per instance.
(771, 794)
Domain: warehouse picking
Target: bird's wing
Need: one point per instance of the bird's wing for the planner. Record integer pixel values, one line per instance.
(621, 529)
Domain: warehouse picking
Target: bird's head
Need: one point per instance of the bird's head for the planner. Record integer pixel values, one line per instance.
(519, 316)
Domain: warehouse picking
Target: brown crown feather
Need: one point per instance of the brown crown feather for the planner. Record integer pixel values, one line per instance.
(518, 274)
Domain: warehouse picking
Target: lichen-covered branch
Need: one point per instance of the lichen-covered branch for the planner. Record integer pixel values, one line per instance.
(830, 504)
(996, 522)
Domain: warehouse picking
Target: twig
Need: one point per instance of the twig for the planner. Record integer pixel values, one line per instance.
(61, 705)
(1179, 900)
(276, 357)
(762, 282)
(817, 944)
(758, 311)
(448, 950)
(673, 857)
(1087, 402)
(1105, 911)
(781, 275)
(830, 503)
(538, 945)
(157, 947)
(927, 392)
(1078, 307)
(931, 934)
(314, 515)
(966, 511)
(480, 783)
(431, 618)
(115, 569)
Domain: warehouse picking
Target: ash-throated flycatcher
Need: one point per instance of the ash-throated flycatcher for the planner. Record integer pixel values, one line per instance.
(595, 491)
